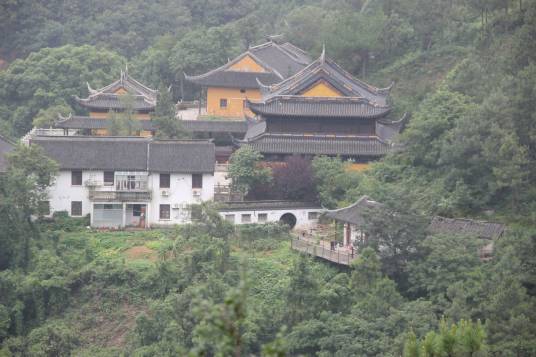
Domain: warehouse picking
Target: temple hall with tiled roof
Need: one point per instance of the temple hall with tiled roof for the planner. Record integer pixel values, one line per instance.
(228, 86)
(100, 102)
(322, 110)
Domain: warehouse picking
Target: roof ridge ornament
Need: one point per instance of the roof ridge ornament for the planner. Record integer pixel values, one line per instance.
(323, 54)
(91, 90)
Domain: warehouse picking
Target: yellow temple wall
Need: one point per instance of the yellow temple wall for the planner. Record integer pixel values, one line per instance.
(321, 89)
(235, 101)
(247, 64)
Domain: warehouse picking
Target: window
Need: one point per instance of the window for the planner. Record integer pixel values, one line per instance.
(164, 180)
(76, 208)
(165, 212)
(229, 218)
(108, 178)
(246, 218)
(197, 181)
(223, 103)
(43, 208)
(136, 210)
(76, 178)
(262, 217)
(312, 215)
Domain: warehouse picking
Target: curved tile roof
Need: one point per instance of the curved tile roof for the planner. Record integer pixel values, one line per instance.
(355, 213)
(233, 79)
(319, 144)
(343, 107)
(106, 98)
(281, 61)
(327, 70)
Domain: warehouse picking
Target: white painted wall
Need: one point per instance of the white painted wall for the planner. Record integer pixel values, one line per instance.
(180, 194)
(302, 216)
(62, 193)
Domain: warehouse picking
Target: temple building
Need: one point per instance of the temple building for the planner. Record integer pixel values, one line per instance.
(322, 110)
(101, 102)
(228, 86)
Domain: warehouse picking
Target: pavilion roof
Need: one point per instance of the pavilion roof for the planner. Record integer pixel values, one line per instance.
(353, 214)
(107, 98)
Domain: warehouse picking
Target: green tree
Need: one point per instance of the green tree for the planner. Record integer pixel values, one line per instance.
(333, 180)
(462, 339)
(167, 124)
(394, 231)
(46, 118)
(49, 78)
(124, 123)
(22, 189)
(246, 170)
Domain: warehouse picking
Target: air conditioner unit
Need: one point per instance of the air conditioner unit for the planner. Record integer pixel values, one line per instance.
(164, 193)
(176, 206)
(196, 192)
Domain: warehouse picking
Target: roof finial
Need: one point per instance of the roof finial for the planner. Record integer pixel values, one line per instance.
(323, 54)
(126, 69)
(90, 90)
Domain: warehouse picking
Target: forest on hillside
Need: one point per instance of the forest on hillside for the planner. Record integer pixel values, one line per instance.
(465, 71)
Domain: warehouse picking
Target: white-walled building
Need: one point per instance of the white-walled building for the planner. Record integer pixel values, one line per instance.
(129, 182)
(298, 215)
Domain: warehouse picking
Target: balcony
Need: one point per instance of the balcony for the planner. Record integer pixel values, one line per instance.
(119, 196)
(126, 187)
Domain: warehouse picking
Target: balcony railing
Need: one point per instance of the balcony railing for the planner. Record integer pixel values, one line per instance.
(126, 187)
(121, 196)
(319, 250)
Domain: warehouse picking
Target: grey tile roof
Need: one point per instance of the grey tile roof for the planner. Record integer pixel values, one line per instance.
(293, 105)
(388, 130)
(365, 146)
(83, 122)
(353, 214)
(128, 153)
(233, 79)
(111, 101)
(105, 97)
(463, 226)
(200, 126)
(286, 59)
(216, 126)
(325, 69)
(266, 205)
(255, 130)
(5, 147)
(282, 61)
(182, 156)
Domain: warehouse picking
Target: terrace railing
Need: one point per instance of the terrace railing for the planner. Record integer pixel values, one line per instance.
(318, 250)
